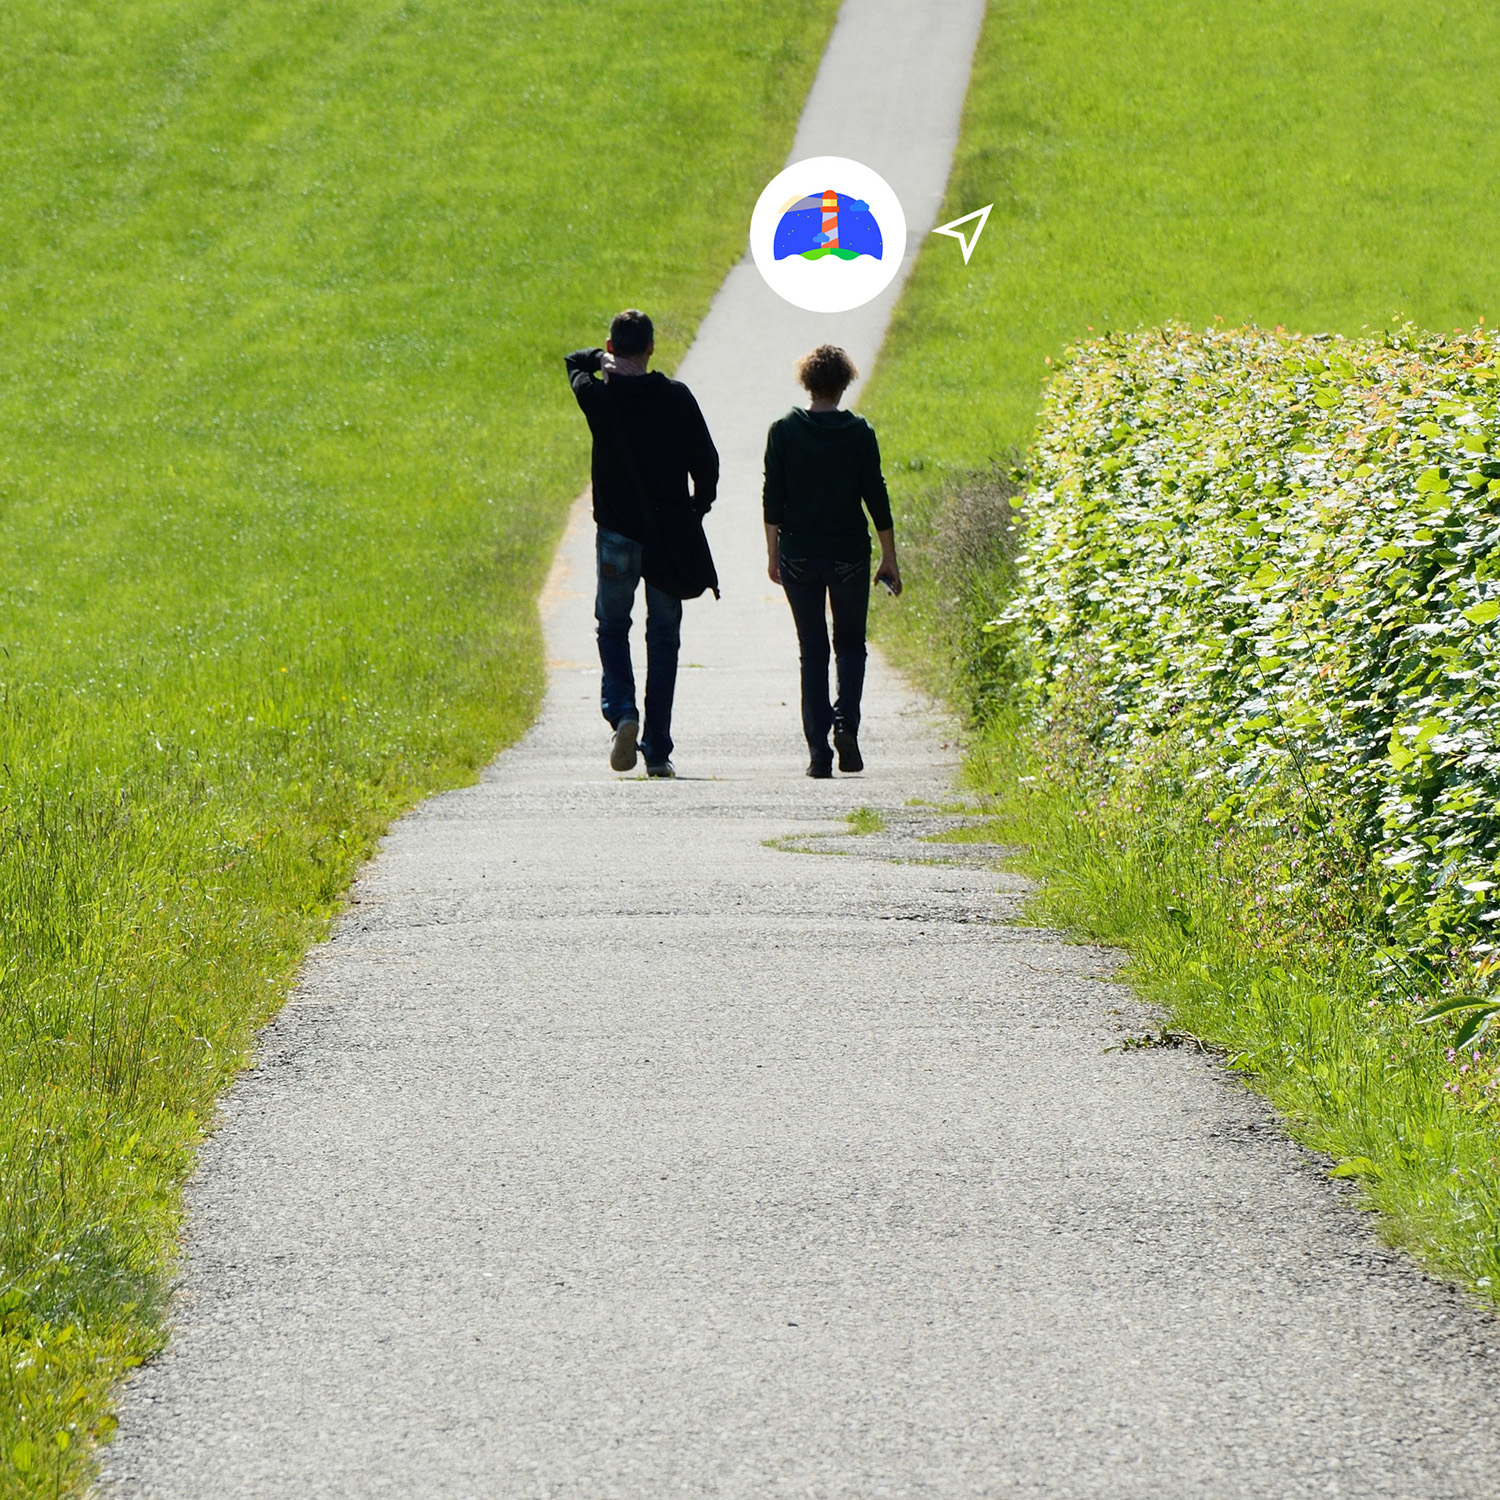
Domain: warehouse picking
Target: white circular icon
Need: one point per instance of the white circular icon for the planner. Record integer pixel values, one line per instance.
(828, 234)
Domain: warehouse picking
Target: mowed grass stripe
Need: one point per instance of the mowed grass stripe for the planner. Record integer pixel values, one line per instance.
(284, 447)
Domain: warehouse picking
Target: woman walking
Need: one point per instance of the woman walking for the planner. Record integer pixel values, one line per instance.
(822, 474)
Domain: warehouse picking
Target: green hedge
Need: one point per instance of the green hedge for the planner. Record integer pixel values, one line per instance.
(1277, 555)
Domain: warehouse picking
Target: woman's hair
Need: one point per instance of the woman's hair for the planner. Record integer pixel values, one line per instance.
(827, 372)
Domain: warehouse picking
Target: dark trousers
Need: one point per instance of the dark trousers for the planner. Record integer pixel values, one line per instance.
(619, 578)
(814, 586)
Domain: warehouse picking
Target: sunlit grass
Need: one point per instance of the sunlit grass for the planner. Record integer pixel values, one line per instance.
(284, 446)
(1325, 167)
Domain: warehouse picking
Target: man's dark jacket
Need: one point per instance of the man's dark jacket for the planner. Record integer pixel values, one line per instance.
(667, 436)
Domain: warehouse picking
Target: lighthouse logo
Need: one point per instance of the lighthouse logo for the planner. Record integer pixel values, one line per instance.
(828, 234)
(828, 223)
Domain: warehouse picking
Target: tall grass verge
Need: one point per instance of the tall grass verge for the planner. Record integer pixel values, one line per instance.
(284, 447)
(1295, 1000)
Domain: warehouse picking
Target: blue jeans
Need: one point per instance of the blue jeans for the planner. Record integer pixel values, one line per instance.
(619, 575)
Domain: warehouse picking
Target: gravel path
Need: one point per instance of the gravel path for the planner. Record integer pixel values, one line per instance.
(645, 1140)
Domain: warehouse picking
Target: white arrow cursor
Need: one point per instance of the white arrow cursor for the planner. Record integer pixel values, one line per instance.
(967, 241)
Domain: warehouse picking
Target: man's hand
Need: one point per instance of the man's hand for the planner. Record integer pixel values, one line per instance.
(773, 552)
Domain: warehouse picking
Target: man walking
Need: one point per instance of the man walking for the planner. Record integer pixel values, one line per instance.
(649, 440)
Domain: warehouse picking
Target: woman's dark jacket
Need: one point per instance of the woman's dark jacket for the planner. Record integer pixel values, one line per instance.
(822, 474)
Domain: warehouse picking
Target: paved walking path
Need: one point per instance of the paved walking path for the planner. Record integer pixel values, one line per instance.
(614, 1147)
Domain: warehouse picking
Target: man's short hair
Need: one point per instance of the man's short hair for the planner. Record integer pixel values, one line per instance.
(827, 372)
(631, 332)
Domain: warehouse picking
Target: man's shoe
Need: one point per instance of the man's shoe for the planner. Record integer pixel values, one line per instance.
(846, 742)
(666, 771)
(622, 752)
(820, 770)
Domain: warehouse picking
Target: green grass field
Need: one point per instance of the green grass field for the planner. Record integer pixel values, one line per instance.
(1321, 168)
(284, 446)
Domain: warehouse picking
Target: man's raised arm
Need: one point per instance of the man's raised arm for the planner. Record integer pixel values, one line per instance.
(582, 365)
